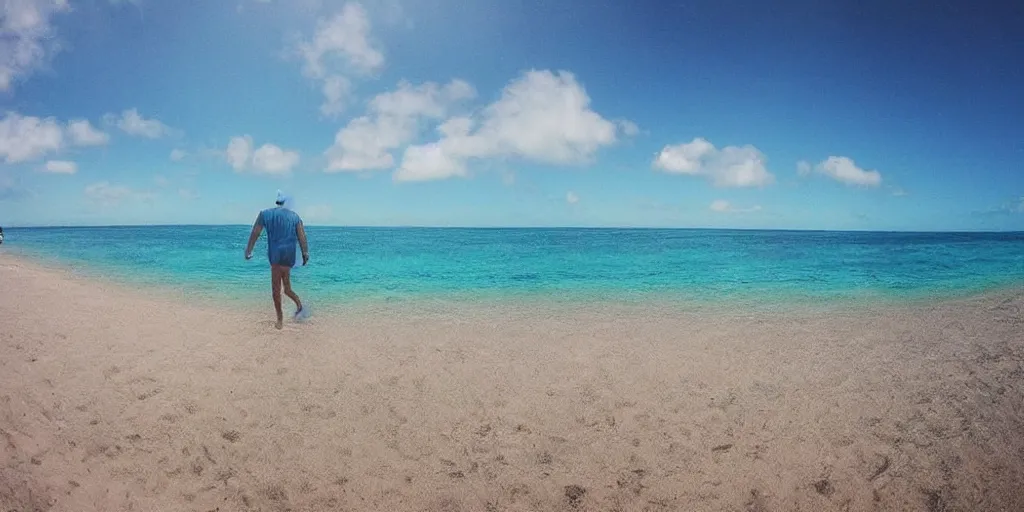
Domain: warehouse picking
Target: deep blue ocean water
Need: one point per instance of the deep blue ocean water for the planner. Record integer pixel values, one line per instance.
(351, 265)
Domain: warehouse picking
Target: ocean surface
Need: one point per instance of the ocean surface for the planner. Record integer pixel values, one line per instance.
(359, 265)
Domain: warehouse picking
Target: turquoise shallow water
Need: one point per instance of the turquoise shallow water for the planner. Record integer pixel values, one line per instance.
(351, 265)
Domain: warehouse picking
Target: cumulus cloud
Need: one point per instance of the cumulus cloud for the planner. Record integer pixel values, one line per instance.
(29, 138)
(134, 124)
(27, 38)
(82, 133)
(845, 170)
(60, 167)
(238, 152)
(345, 35)
(270, 159)
(723, 206)
(106, 194)
(732, 166)
(26, 138)
(571, 197)
(541, 116)
(393, 121)
(267, 159)
(178, 155)
(340, 45)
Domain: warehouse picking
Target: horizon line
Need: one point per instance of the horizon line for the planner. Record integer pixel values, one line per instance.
(510, 227)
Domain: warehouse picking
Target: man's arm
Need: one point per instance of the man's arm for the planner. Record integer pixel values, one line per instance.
(302, 242)
(257, 228)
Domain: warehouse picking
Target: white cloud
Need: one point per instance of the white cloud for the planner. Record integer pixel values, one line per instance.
(732, 166)
(188, 194)
(899, 192)
(340, 45)
(541, 116)
(723, 206)
(83, 133)
(393, 121)
(238, 152)
(27, 39)
(105, 194)
(161, 181)
(132, 123)
(267, 159)
(844, 170)
(571, 197)
(270, 159)
(178, 155)
(25, 138)
(28, 138)
(60, 167)
(345, 35)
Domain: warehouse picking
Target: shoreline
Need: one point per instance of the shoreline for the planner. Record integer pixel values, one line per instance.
(667, 303)
(117, 398)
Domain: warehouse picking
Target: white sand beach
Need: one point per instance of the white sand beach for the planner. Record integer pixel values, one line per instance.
(113, 399)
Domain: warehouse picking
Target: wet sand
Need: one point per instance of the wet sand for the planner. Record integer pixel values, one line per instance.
(114, 399)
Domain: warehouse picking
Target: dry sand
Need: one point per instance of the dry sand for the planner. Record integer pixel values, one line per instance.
(114, 399)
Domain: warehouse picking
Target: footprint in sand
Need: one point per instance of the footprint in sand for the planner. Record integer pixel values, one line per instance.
(149, 394)
(574, 495)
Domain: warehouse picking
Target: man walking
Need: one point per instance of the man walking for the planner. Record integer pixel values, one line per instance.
(284, 229)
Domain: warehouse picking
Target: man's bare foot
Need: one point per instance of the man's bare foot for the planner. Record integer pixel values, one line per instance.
(279, 325)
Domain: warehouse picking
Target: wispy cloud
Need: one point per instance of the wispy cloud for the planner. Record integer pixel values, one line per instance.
(723, 206)
(1013, 206)
(28, 40)
(60, 167)
(106, 194)
(134, 124)
(342, 46)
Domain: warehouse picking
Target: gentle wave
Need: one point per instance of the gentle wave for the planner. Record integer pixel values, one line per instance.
(395, 264)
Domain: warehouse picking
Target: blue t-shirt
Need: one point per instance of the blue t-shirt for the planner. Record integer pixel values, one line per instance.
(281, 225)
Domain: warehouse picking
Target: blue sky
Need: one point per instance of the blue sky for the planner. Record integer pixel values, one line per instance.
(801, 114)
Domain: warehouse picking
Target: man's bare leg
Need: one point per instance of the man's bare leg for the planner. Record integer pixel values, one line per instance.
(275, 288)
(287, 281)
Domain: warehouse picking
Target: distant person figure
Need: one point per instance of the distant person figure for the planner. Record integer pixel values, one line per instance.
(1, 235)
(284, 229)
